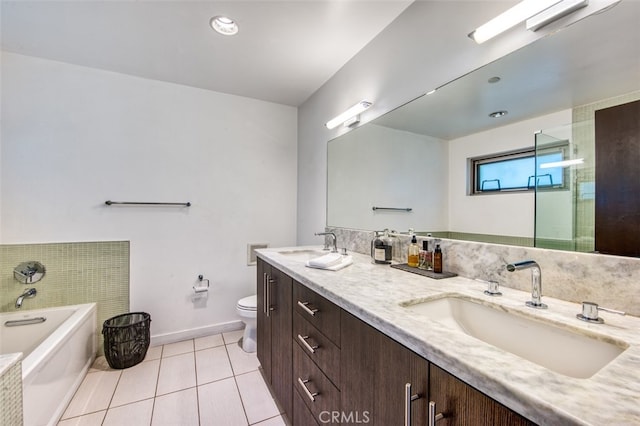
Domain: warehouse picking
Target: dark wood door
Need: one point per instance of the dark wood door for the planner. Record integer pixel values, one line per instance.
(281, 339)
(264, 322)
(617, 210)
(375, 370)
(462, 405)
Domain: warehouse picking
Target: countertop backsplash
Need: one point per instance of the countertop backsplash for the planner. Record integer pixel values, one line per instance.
(609, 281)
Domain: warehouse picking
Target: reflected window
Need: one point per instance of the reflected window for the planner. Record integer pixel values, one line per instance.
(516, 171)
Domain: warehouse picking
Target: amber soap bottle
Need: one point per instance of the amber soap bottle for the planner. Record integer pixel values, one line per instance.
(437, 259)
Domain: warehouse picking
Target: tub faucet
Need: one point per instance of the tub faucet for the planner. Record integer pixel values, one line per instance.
(335, 241)
(29, 293)
(536, 281)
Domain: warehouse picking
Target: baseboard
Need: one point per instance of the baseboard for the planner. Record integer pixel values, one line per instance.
(194, 333)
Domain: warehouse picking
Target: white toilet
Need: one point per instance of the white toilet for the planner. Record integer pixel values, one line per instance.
(246, 308)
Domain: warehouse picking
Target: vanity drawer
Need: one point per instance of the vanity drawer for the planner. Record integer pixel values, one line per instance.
(317, 392)
(318, 347)
(324, 315)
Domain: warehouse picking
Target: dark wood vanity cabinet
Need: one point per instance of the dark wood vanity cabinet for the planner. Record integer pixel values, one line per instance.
(461, 404)
(274, 332)
(375, 372)
(326, 366)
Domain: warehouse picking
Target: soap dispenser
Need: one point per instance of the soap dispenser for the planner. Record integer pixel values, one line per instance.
(413, 254)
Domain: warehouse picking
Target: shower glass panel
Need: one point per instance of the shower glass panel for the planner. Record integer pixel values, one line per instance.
(565, 212)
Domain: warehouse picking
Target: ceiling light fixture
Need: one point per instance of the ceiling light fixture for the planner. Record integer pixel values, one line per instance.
(345, 117)
(554, 13)
(498, 114)
(224, 25)
(510, 18)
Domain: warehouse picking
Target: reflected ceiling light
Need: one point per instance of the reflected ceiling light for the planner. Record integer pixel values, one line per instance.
(348, 115)
(224, 25)
(565, 163)
(554, 12)
(498, 114)
(510, 18)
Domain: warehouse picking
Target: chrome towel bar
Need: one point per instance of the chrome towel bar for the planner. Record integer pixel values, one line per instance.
(406, 209)
(141, 203)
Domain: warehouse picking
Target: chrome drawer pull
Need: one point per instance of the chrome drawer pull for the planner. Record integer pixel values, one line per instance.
(310, 311)
(303, 383)
(408, 399)
(306, 344)
(433, 417)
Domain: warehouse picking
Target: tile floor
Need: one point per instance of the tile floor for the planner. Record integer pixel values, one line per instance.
(205, 381)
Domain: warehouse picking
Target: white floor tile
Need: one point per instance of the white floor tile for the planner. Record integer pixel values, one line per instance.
(176, 373)
(220, 404)
(178, 408)
(154, 352)
(232, 336)
(137, 383)
(93, 419)
(241, 361)
(177, 348)
(136, 414)
(212, 364)
(256, 398)
(274, 421)
(208, 342)
(94, 393)
(100, 364)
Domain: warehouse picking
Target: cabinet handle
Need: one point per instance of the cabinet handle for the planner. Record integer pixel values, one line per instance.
(408, 398)
(306, 344)
(267, 297)
(303, 383)
(433, 417)
(304, 305)
(264, 293)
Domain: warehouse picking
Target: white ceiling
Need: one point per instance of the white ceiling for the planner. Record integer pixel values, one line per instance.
(284, 52)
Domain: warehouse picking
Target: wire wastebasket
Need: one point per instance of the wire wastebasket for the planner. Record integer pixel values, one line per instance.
(126, 339)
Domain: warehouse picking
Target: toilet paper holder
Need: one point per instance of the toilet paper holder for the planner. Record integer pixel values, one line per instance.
(201, 288)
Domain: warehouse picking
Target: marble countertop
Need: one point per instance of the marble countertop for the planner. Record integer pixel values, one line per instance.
(374, 293)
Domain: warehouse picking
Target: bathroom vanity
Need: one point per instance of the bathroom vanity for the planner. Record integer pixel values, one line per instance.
(351, 347)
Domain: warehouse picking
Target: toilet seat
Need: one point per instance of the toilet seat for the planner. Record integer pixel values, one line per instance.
(248, 303)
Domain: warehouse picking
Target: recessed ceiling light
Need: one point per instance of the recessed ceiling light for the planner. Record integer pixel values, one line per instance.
(494, 79)
(224, 25)
(498, 114)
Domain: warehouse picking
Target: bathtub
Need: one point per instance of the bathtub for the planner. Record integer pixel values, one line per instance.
(57, 352)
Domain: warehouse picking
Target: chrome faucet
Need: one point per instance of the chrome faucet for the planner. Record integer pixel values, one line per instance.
(29, 293)
(335, 241)
(536, 281)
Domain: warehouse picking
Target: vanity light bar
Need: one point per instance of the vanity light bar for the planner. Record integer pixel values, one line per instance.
(554, 13)
(510, 18)
(351, 112)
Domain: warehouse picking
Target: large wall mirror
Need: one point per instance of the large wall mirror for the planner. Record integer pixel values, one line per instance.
(409, 168)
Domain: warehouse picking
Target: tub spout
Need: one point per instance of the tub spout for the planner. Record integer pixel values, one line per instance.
(29, 293)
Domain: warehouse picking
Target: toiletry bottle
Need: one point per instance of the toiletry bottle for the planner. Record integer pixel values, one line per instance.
(388, 246)
(413, 253)
(437, 259)
(378, 249)
(425, 257)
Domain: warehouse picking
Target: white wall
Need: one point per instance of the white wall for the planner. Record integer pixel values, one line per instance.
(380, 166)
(74, 137)
(510, 214)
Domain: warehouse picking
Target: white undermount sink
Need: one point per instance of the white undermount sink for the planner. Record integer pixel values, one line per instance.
(559, 349)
